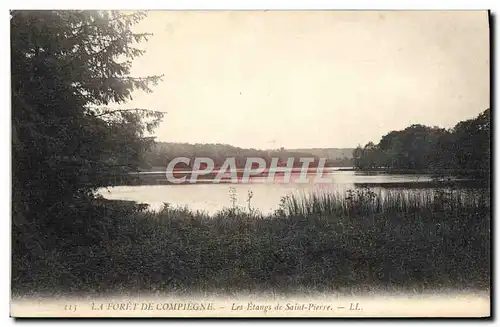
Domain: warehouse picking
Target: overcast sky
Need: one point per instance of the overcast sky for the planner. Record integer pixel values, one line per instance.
(312, 79)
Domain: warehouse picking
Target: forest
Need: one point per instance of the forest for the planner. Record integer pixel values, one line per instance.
(161, 153)
(464, 149)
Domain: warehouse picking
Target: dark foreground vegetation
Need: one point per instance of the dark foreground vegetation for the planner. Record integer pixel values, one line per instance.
(325, 242)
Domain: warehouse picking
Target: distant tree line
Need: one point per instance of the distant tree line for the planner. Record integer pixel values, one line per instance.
(160, 154)
(465, 148)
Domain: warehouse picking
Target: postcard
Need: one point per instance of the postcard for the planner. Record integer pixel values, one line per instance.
(250, 163)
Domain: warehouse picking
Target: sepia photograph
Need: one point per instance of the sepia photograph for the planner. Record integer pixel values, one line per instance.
(250, 164)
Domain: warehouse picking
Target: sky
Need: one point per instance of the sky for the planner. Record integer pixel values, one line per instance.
(333, 79)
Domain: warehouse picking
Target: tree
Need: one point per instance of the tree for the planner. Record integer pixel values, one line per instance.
(471, 144)
(464, 149)
(67, 68)
(357, 155)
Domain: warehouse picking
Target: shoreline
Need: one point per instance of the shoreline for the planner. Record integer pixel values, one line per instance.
(159, 178)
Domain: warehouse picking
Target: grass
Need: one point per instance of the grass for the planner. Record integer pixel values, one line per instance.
(336, 241)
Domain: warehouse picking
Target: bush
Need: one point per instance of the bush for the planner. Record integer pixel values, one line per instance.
(322, 241)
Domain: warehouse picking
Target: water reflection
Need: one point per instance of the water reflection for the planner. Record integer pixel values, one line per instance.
(266, 196)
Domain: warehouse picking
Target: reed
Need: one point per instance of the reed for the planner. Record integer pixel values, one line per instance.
(327, 242)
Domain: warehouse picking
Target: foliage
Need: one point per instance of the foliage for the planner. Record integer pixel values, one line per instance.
(357, 240)
(163, 152)
(471, 143)
(68, 69)
(466, 147)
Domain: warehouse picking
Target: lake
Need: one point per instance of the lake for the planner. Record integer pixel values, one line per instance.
(210, 197)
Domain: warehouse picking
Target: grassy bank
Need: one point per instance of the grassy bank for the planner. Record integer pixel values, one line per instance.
(324, 242)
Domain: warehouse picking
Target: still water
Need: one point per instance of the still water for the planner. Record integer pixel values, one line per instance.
(266, 196)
